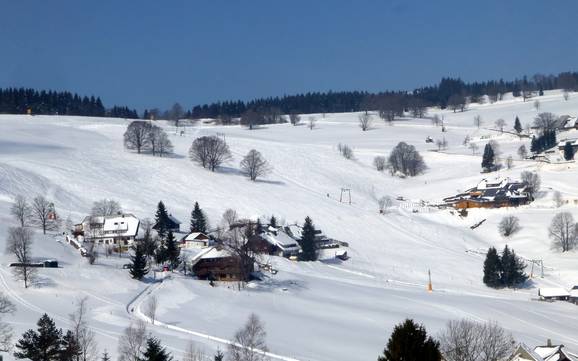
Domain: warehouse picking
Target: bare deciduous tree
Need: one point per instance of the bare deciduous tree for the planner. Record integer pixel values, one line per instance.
(537, 104)
(249, 342)
(566, 95)
(473, 147)
(546, 121)
(294, 118)
(151, 308)
(522, 152)
(44, 214)
(19, 244)
(210, 152)
(533, 181)
(105, 207)
(558, 199)
(229, 218)
(254, 165)
(82, 332)
(509, 225)
(192, 353)
(384, 204)
(158, 141)
(345, 151)
(136, 135)
(312, 121)
(365, 121)
(22, 211)
(436, 120)
(6, 306)
(132, 343)
(379, 162)
(509, 162)
(500, 124)
(404, 158)
(473, 341)
(478, 121)
(563, 231)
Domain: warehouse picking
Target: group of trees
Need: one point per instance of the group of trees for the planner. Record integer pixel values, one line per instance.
(460, 340)
(212, 151)
(49, 343)
(19, 100)
(40, 212)
(505, 270)
(449, 92)
(143, 136)
(544, 141)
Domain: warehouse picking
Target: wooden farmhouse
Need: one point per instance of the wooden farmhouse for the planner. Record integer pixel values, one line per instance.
(492, 194)
(220, 265)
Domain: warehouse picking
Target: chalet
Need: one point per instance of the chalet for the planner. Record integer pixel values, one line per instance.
(195, 240)
(173, 224)
(120, 229)
(498, 193)
(321, 240)
(553, 294)
(542, 353)
(276, 243)
(221, 265)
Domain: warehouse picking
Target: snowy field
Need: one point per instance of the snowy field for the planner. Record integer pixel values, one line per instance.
(321, 311)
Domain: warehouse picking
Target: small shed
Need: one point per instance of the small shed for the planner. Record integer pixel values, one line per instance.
(195, 240)
(553, 294)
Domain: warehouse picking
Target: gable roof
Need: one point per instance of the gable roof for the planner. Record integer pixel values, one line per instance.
(195, 236)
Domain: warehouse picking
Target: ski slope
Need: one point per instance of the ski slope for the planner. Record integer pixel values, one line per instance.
(321, 311)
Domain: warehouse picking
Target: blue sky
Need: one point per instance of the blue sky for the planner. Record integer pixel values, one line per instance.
(153, 53)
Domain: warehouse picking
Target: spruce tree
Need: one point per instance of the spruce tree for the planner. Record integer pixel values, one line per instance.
(155, 351)
(307, 241)
(198, 220)
(172, 251)
(492, 269)
(219, 356)
(517, 125)
(534, 148)
(488, 159)
(70, 347)
(259, 227)
(568, 151)
(105, 356)
(410, 342)
(139, 264)
(161, 220)
(513, 268)
(41, 345)
(273, 222)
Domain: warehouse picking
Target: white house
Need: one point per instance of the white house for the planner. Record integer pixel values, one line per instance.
(120, 229)
(195, 240)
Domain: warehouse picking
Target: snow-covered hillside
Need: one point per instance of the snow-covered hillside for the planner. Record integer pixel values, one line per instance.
(320, 311)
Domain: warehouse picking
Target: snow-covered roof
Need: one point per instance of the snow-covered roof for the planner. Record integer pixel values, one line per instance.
(281, 240)
(216, 253)
(553, 292)
(125, 225)
(574, 293)
(173, 219)
(554, 353)
(525, 353)
(195, 236)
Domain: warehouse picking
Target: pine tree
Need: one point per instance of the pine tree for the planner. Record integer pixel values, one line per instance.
(568, 151)
(307, 241)
(492, 269)
(139, 264)
(105, 356)
(155, 351)
(219, 356)
(259, 227)
(513, 268)
(409, 342)
(41, 345)
(198, 220)
(517, 125)
(534, 148)
(488, 159)
(273, 222)
(161, 220)
(173, 251)
(70, 347)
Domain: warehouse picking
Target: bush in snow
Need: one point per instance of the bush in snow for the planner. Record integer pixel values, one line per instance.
(509, 225)
(404, 158)
(210, 152)
(345, 151)
(380, 163)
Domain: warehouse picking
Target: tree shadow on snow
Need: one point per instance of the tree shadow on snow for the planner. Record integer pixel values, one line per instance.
(267, 181)
(272, 284)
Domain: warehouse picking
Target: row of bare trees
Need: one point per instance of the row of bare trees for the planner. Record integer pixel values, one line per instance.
(40, 212)
(212, 151)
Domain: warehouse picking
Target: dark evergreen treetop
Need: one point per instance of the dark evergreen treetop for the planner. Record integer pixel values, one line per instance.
(489, 158)
(139, 264)
(409, 341)
(155, 351)
(161, 220)
(198, 220)
(307, 241)
(20, 100)
(41, 345)
(173, 251)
